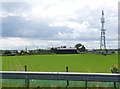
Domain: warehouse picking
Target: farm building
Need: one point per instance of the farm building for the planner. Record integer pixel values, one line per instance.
(70, 50)
(66, 51)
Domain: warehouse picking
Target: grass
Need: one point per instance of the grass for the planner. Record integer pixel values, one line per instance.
(56, 84)
(90, 63)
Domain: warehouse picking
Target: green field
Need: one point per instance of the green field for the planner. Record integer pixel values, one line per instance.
(90, 63)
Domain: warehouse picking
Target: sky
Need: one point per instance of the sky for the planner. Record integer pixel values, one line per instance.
(53, 23)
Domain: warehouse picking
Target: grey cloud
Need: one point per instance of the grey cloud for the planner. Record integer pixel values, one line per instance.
(15, 6)
(18, 26)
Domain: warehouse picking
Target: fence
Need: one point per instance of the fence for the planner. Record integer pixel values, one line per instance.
(68, 76)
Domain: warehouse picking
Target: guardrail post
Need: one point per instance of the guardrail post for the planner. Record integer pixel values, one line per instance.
(26, 79)
(86, 85)
(115, 85)
(26, 76)
(28, 83)
(67, 80)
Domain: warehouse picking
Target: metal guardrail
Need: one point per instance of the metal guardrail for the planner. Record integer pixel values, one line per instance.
(102, 77)
(105, 77)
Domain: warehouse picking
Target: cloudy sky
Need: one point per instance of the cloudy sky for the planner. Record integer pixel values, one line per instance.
(47, 23)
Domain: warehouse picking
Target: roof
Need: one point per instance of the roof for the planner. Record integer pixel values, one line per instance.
(66, 49)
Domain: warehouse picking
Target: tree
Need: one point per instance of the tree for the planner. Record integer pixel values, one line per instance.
(16, 52)
(106, 50)
(77, 46)
(82, 49)
(22, 52)
(7, 52)
(114, 68)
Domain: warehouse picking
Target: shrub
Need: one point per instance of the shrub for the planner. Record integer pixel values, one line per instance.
(114, 68)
